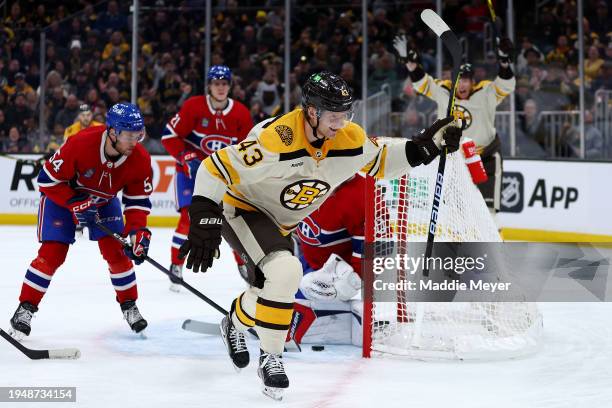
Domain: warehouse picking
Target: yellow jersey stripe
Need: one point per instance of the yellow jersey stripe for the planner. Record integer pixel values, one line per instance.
(224, 160)
(212, 168)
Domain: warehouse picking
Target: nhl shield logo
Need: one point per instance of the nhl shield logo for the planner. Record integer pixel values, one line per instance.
(512, 192)
(285, 133)
(89, 173)
(204, 122)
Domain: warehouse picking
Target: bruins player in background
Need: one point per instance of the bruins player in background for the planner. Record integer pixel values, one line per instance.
(475, 105)
(284, 170)
(84, 120)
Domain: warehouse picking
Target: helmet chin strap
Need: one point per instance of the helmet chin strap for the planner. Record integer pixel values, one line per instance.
(320, 140)
(114, 145)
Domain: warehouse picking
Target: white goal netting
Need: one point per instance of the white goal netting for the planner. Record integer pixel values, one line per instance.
(434, 330)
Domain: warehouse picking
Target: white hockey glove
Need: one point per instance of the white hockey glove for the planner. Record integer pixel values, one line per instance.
(335, 280)
(401, 46)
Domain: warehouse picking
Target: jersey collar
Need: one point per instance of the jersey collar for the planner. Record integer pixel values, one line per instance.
(228, 108)
(103, 160)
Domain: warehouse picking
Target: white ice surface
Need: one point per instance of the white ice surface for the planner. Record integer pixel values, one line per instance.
(174, 368)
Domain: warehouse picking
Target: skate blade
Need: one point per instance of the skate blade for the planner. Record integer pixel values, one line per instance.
(142, 334)
(275, 393)
(175, 288)
(16, 334)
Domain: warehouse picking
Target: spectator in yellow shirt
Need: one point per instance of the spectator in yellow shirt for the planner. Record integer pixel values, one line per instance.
(117, 48)
(20, 85)
(84, 120)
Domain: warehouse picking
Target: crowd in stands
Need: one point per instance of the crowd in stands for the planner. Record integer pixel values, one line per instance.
(88, 58)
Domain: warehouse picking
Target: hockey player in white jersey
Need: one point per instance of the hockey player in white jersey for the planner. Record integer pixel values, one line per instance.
(285, 168)
(475, 105)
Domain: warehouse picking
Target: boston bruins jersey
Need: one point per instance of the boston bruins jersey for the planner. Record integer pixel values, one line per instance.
(478, 111)
(276, 171)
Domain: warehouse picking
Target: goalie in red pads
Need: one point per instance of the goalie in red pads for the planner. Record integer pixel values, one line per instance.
(331, 250)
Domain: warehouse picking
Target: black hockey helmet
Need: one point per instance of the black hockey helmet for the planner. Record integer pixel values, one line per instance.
(467, 71)
(327, 91)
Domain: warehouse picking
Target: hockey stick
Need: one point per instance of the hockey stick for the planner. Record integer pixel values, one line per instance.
(176, 279)
(124, 242)
(34, 162)
(57, 354)
(197, 326)
(494, 20)
(450, 41)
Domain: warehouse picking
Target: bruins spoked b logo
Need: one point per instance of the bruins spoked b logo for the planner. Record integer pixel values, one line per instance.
(460, 112)
(303, 193)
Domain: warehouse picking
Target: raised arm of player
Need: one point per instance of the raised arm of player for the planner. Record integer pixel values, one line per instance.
(395, 157)
(423, 83)
(505, 82)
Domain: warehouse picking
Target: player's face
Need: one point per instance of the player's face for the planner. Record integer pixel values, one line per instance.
(219, 89)
(85, 118)
(464, 88)
(331, 122)
(127, 141)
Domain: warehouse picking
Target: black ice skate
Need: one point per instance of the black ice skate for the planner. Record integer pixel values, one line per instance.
(133, 316)
(175, 271)
(20, 322)
(272, 373)
(235, 342)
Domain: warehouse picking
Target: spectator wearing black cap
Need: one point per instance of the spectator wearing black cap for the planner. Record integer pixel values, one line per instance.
(20, 85)
(84, 120)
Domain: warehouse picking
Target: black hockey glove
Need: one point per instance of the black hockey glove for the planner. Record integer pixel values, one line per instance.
(424, 147)
(505, 51)
(204, 238)
(452, 136)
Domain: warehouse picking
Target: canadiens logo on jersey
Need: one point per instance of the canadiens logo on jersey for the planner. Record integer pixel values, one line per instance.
(309, 231)
(211, 143)
(303, 193)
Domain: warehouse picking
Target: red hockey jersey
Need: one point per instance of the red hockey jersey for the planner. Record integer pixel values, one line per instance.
(80, 165)
(336, 227)
(199, 128)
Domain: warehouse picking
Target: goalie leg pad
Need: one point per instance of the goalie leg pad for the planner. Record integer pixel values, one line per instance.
(274, 308)
(51, 256)
(121, 269)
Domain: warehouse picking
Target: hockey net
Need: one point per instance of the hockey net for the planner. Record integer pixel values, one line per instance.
(399, 214)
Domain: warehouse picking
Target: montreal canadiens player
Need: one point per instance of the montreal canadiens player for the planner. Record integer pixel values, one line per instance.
(79, 185)
(205, 124)
(331, 246)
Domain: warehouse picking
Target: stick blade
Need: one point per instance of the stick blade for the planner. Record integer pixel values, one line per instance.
(434, 22)
(65, 354)
(442, 30)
